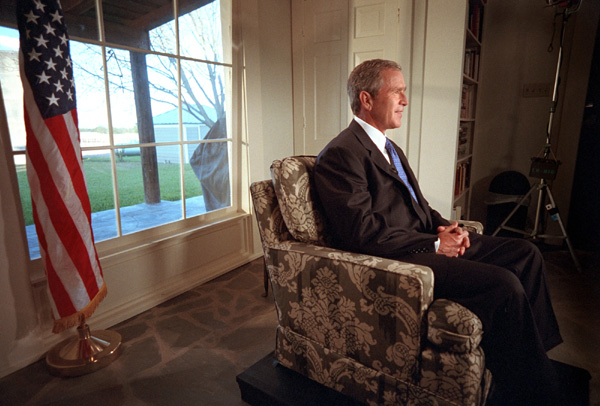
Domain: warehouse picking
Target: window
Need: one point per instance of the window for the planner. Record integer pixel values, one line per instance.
(154, 101)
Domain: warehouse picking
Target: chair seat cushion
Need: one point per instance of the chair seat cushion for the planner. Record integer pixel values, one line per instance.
(453, 327)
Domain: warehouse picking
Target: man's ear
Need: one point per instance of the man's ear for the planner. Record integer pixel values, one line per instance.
(366, 100)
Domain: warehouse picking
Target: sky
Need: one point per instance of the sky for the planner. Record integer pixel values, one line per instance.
(9, 39)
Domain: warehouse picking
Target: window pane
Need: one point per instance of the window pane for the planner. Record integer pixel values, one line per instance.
(203, 91)
(210, 165)
(205, 32)
(25, 195)
(205, 106)
(98, 174)
(130, 22)
(12, 89)
(162, 81)
(125, 121)
(80, 19)
(88, 72)
(149, 191)
(162, 36)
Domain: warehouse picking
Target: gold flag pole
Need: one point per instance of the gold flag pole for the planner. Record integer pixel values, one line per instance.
(87, 352)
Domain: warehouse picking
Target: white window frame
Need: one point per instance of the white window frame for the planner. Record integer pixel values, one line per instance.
(124, 242)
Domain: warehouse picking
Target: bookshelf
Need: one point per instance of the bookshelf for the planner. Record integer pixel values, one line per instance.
(468, 104)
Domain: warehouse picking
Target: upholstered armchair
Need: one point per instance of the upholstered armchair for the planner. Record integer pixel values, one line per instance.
(365, 326)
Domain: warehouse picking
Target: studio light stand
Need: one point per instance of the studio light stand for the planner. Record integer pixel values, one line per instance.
(544, 167)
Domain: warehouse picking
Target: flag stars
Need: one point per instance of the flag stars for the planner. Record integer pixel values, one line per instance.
(50, 64)
(41, 41)
(31, 17)
(56, 16)
(39, 5)
(58, 86)
(58, 52)
(52, 100)
(43, 78)
(50, 29)
(34, 56)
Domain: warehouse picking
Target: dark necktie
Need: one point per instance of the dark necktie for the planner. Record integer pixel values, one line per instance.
(399, 168)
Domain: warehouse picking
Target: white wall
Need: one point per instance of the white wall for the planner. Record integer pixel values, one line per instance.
(267, 40)
(141, 277)
(510, 128)
(18, 314)
(440, 102)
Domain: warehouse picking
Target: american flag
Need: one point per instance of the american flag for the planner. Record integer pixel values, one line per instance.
(61, 206)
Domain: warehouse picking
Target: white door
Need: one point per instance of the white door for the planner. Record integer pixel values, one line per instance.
(320, 69)
(329, 38)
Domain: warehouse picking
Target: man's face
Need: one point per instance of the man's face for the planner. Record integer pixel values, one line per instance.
(388, 105)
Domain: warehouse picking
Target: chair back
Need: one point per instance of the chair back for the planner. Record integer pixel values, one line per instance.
(298, 199)
(271, 227)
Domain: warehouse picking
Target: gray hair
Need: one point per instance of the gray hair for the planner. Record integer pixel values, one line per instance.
(367, 77)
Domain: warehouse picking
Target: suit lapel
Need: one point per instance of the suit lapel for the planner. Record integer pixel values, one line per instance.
(384, 166)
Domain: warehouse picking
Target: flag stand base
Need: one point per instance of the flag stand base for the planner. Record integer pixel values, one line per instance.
(85, 353)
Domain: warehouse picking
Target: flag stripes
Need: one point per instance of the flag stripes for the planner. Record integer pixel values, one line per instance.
(62, 210)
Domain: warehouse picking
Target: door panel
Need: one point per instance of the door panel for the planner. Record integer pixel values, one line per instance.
(320, 49)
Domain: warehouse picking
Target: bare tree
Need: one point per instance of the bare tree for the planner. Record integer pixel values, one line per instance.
(155, 77)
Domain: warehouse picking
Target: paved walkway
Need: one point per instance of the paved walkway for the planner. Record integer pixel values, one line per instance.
(133, 218)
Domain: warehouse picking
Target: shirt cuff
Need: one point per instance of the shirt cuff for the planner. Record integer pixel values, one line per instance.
(437, 245)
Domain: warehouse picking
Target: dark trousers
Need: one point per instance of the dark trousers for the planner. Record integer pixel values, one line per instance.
(502, 281)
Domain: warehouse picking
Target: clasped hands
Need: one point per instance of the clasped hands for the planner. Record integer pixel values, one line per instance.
(453, 240)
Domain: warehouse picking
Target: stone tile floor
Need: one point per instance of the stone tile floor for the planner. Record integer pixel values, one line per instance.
(189, 350)
(186, 351)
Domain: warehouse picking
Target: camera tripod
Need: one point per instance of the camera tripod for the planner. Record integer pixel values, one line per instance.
(544, 192)
(545, 168)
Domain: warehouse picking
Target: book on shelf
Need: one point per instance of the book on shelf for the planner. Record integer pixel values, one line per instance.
(475, 18)
(457, 213)
(462, 180)
(465, 135)
(467, 102)
(471, 67)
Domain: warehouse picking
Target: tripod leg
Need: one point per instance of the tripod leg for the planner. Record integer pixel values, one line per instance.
(564, 232)
(517, 206)
(540, 205)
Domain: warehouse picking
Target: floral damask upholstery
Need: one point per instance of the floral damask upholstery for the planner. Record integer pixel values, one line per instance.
(365, 326)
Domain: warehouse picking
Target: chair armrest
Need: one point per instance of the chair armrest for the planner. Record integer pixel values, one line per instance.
(472, 226)
(453, 327)
(362, 307)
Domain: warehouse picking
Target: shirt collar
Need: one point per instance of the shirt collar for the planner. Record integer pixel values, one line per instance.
(378, 138)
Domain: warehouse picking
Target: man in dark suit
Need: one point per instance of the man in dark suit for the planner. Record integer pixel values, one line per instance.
(374, 205)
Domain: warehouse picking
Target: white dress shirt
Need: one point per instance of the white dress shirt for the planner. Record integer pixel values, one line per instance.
(376, 136)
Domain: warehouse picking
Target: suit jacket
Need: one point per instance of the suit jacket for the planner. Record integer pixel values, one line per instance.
(367, 205)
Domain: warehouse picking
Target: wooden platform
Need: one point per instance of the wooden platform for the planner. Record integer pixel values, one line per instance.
(576, 383)
(267, 383)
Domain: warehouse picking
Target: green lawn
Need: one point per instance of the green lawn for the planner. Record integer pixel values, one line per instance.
(129, 178)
